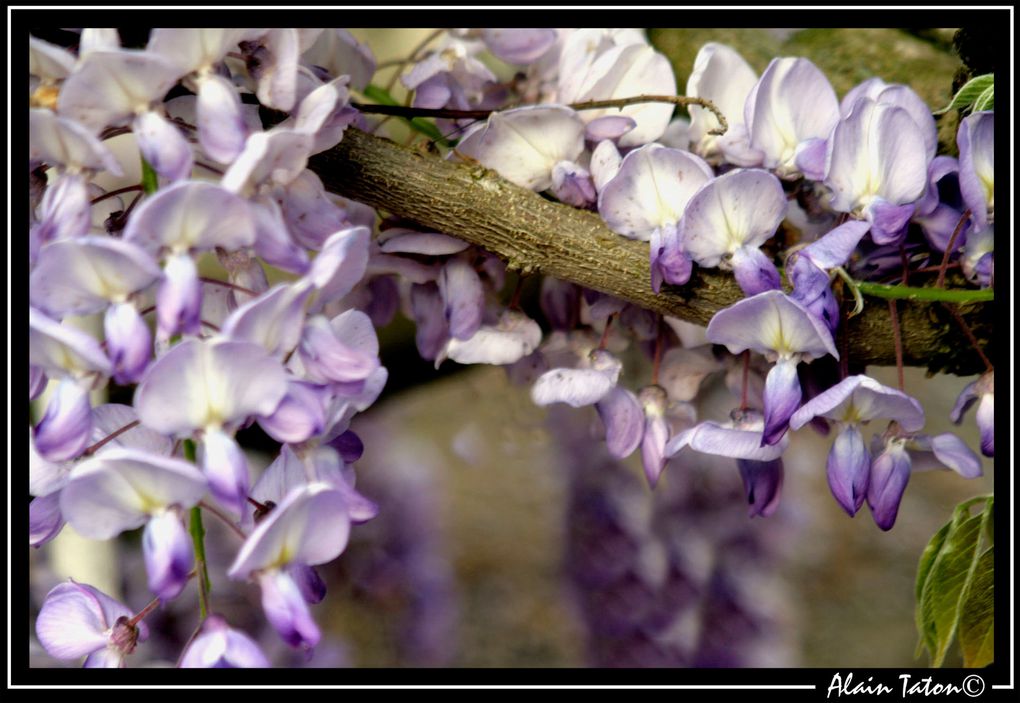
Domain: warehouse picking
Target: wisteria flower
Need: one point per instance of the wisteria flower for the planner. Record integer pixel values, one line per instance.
(774, 324)
(212, 387)
(310, 526)
(789, 114)
(876, 166)
(976, 139)
(853, 402)
(727, 221)
(77, 620)
(982, 392)
(219, 646)
(722, 76)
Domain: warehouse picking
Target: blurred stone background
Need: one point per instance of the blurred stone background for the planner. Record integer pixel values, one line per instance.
(472, 559)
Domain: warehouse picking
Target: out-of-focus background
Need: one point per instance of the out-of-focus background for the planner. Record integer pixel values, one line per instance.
(508, 538)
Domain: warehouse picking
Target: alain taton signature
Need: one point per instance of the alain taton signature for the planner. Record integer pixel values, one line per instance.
(971, 686)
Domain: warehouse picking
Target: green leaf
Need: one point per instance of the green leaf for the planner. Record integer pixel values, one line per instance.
(382, 96)
(985, 101)
(977, 621)
(945, 572)
(970, 92)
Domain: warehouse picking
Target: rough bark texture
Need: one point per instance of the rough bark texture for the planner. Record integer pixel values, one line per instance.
(534, 235)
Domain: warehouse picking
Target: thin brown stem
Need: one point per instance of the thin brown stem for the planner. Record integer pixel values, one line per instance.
(209, 167)
(114, 193)
(605, 331)
(228, 284)
(515, 299)
(897, 341)
(446, 113)
(224, 518)
(149, 607)
(940, 282)
(745, 380)
(413, 56)
(970, 335)
(92, 449)
(660, 342)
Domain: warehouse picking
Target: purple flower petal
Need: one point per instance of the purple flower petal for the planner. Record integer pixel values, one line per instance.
(73, 622)
(945, 450)
(219, 646)
(610, 127)
(524, 144)
(273, 320)
(64, 212)
(327, 358)
(287, 610)
(722, 76)
(605, 164)
(734, 442)
(754, 271)
(309, 526)
(107, 87)
(401, 240)
(890, 472)
(742, 208)
(463, 298)
(683, 370)
(128, 342)
(179, 298)
(222, 129)
(668, 258)
(763, 483)
(791, 103)
(810, 158)
(163, 146)
(848, 469)
(578, 387)
(273, 242)
(58, 141)
(624, 420)
(889, 222)
(226, 467)
(513, 337)
(277, 68)
(876, 152)
(200, 384)
(432, 330)
(976, 139)
(121, 488)
(270, 158)
(337, 51)
(44, 519)
(858, 399)
(311, 585)
(771, 322)
(519, 46)
(37, 381)
(299, 416)
(60, 349)
(781, 399)
(169, 556)
(310, 214)
(64, 431)
(341, 264)
(986, 423)
(83, 275)
(191, 216)
(651, 189)
(572, 184)
(49, 61)
(656, 433)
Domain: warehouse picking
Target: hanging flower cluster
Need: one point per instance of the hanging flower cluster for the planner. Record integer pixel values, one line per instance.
(211, 354)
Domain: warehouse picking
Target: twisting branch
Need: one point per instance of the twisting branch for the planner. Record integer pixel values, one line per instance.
(534, 235)
(443, 113)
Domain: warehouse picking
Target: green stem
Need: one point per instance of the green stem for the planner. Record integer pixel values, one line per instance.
(197, 531)
(150, 182)
(933, 295)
